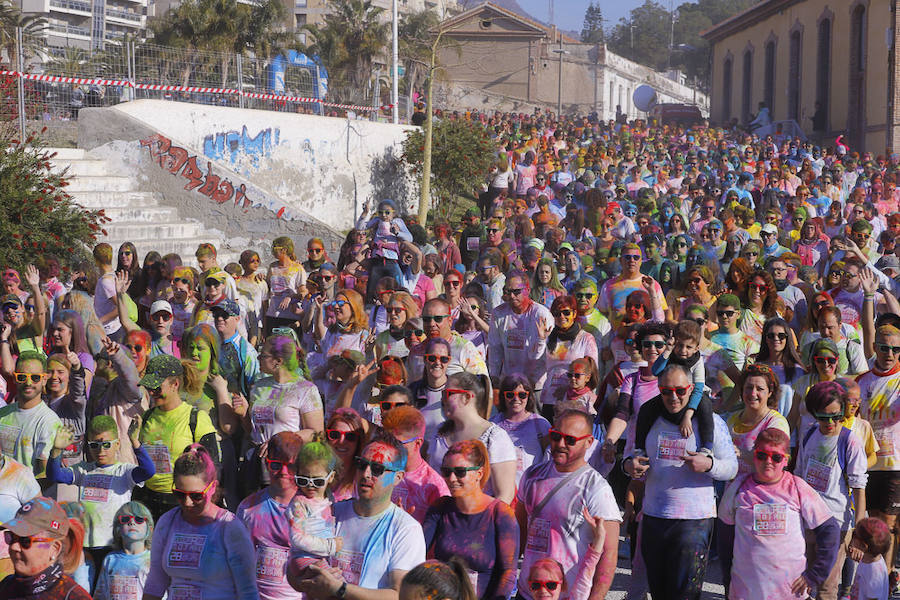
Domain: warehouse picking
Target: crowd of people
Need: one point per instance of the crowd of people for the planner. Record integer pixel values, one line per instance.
(663, 344)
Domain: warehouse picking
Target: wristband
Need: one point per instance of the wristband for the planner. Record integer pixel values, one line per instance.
(341, 591)
(5, 342)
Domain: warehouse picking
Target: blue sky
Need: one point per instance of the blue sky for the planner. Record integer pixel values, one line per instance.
(570, 13)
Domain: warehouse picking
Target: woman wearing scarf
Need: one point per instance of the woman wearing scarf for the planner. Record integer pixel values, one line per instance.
(568, 341)
(812, 246)
(317, 256)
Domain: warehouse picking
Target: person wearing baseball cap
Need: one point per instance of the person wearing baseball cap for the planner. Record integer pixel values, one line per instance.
(162, 317)
(169, 427)
(238, 360)
(44, 547)
(769, 236)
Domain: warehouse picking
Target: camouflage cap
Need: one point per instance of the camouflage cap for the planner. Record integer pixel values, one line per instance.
(159, 368)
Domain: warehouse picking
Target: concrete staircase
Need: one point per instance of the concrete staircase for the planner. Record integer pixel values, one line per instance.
(137, 216)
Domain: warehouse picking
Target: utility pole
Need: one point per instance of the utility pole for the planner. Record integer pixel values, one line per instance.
(559, 51)
(395, 55)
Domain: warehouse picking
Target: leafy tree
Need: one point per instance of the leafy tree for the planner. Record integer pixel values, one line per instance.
(353, 36)
(592, 30)
(36, 213)
(415, 39)
(463, 154)
(648, 25)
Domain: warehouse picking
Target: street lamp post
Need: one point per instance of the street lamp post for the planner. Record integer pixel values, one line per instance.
(395, 94)
(560, 52)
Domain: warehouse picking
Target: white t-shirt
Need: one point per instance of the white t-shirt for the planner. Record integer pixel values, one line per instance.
(394, 540)
(526, 436)
(102, 491)
(498, 443)
(105, 301)
(818, 465)
(871, 581)
(560, 530)
(277, 407)
(27, 434)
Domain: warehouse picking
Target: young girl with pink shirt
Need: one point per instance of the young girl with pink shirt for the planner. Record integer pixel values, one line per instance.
(310, 516)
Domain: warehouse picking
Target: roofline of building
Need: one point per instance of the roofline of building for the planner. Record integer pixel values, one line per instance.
(548, 31)
(751, 16)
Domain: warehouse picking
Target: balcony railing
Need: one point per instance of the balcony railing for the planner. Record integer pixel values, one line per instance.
(123, 14)
(69, 29)
(71, 5)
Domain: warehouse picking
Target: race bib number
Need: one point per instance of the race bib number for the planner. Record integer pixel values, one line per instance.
(885, 442)
(818, 474)
(472, 243)
(538, 536)
(159, 454)
(520, 459)
(125, 587)
(186, 551)
(9, 438)
(671, 446)
(270, 563)
(185, 591)
(278, 285)
(770, 519)
(515, 339)
(350, 564)
(263, 415)
(96, 488)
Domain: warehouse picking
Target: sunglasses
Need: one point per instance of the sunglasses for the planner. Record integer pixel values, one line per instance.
(29, 307)
(574, 375)
(434, 358)
(674, 391)
(126, 253)
(338, 303)
(314, 251)
(195, 497)
(825, 360)
(106, 445)
(387, 405)
(492, 230)
(699, 321)
(776, 336)
(434, 318)
(509, 395)
(584, 295)
(726, 313)
(569, 440)
(658, 344)
(212, 282)
(24, 541)
(762, 455)
(757, 286)
(829, 418)
(395, 310)
(313, 482)
(335, 435)
(415, 332)
(631, 257)
(275, 466)
(565, 312)
(454, 282)
(377, 468)
(460, 472)
(138, 348)
(29, 377)
(183, 280)
(161, 316)
(895, 350)
(751, 253)
(512, 291)
(129, 519)
(681, 245)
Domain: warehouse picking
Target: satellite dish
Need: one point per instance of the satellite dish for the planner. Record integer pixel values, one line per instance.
(644, 98)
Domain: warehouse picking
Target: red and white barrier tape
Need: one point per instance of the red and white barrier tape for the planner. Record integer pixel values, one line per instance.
(185, 88)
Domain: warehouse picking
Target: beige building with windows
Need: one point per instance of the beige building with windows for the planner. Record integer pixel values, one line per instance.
(800, 55)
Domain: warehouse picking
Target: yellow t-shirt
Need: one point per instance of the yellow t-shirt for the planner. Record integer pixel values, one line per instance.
(165, 435)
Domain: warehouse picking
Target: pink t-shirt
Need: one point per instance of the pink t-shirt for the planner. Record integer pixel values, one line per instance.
(419, 490)
(744, 439)
(769, 520)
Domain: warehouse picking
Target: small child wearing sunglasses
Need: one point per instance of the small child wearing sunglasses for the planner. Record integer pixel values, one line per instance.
(547, 581)
(104, 484)
(581, 392)
(124, 571)
(310, 516)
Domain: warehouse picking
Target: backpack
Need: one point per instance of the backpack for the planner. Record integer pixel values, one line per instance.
(208, 441)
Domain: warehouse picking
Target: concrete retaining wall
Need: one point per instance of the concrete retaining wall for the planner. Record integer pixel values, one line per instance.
(298, 172)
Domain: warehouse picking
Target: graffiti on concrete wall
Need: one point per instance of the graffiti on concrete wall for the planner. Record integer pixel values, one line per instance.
(177, 161)
(233, 145)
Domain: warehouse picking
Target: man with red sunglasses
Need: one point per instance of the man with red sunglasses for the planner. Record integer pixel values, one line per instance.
(552, 497)
(679, 498)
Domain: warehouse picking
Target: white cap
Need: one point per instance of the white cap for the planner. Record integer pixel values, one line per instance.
(159, 306)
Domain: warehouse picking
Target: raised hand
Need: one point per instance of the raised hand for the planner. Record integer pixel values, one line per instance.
(32, 277)
(123, 282)
(110, 346)
(73, 360)
(65, 435)
(134, 431)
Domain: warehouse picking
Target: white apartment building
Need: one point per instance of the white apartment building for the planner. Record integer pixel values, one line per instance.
(88, 23)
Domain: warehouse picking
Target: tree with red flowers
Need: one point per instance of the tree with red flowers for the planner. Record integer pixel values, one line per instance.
(37, 216)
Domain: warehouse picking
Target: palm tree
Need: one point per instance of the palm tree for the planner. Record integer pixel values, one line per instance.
(348, 44)
(32, 28)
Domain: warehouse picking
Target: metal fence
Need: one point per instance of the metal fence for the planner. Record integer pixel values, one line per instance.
(45, 87)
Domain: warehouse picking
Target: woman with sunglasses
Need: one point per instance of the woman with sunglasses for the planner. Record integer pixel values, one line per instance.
(759, 303)
(366, 389)
(26, 319)
(265, 514)
(763, 516)
(778, 350)
(833, 461)
(545, 285)
(759, 388)
(463, 403)
(400, 307)
(125, 569)
(518, 417)
(429, 390)
(822, 366)
(45, 549)
(254, 292)
(412, 278)
(348, 332)
(200, 549)
(345, 432)
(284, 279)
(568, 341)
(696, 282)
(469, 513)
(812, 245)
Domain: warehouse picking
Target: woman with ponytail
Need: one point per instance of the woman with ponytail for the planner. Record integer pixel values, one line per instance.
(436, 579)
(199, 549)
(464, 402)
(45, 547)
